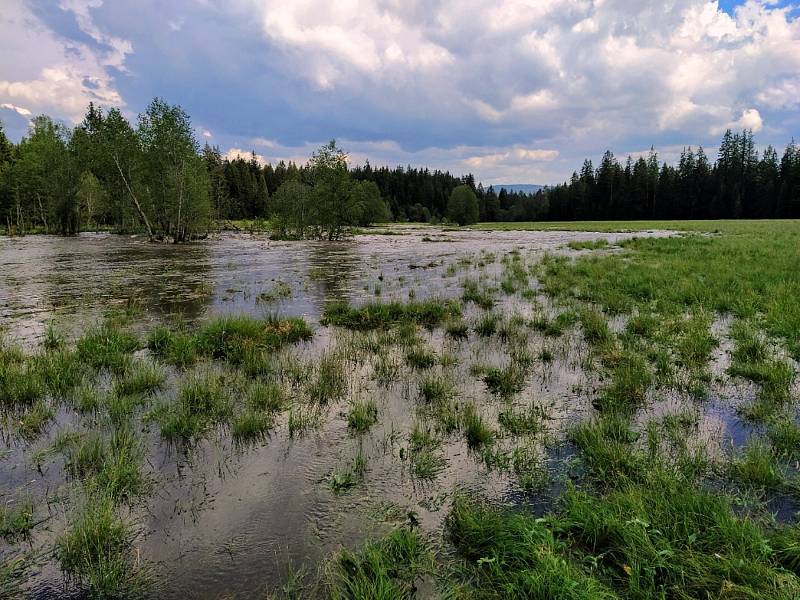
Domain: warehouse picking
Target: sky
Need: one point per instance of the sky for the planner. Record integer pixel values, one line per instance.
(514, 91)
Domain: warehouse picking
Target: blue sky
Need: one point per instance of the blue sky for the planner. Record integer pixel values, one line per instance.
(511, 90)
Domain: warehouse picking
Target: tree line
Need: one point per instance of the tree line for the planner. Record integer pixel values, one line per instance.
(155, 178)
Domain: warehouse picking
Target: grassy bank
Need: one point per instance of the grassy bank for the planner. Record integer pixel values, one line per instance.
(764, 226)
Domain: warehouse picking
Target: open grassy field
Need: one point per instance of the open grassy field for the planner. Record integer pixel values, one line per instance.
(616, 417)
(764, 226)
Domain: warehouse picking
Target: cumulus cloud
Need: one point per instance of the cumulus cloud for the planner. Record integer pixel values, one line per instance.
(46, 73)
(550, 68)
(750, 119)
(234, 153)
(456, 84)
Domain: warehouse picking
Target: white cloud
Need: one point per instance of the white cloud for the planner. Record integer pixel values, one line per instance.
(783, 94)
(750, 119)
(514, 156)
(234, 153)
(119, 47)
(17, 109)
(48, 74)
(561, 65)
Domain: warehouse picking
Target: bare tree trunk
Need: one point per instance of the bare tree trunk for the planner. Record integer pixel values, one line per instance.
(135, 200)
(41, 213)
(180, 207)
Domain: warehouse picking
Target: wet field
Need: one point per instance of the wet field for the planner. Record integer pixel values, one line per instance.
(234, 520)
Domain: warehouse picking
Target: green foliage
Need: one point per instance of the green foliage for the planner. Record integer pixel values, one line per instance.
(462, 206)
(477, 432)
(327, 203)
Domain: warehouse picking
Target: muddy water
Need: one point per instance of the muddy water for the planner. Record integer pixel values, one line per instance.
(72, 280)
(227, 521)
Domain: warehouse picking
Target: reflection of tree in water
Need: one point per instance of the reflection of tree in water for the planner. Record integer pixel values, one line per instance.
(165, 278)
(111, 270)
(333, 266)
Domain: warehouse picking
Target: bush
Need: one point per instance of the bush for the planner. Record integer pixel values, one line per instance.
(462, 208)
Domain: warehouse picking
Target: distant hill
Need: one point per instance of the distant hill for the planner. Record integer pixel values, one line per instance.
(525, 188)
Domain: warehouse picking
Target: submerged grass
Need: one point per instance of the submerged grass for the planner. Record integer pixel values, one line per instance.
(386, 569)
(231, 337)
(428, 313)
(96, 551)
(107, 347)
(362, 415)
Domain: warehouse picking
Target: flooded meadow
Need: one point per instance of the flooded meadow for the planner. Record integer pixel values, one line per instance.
(236, 418)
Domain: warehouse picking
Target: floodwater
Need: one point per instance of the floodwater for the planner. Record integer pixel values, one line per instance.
(74, 279)
(233, 522)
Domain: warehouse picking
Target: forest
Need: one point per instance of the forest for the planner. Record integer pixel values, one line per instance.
(155, 178)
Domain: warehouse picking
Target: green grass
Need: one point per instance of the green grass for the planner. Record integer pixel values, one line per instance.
(599, 244)
(606, 448)
(595, 328)
(419, 357)
(556, 326)
(107, 347)
(436, 389)
(139, 377)
(251, 424)
(749, 271)
(35, 419)
(202, 401)
(506, 381)
(756, 467)
(457, 329)
(60, 371)
(266, 396)
(631, 377)
(428, 313)
(474, 292)
(425, 457)
(385, 569)
(487, 324)
(784, 436)
(95, 551)
(476, 431)
(512, 556)
(348, 476)
(19, 384)
(329, 382)
(229, 338)
(16, 518)
(174, 347)
(671, 538)
(112, 465)
(528, 421)
(752, 360)
(362, 415)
